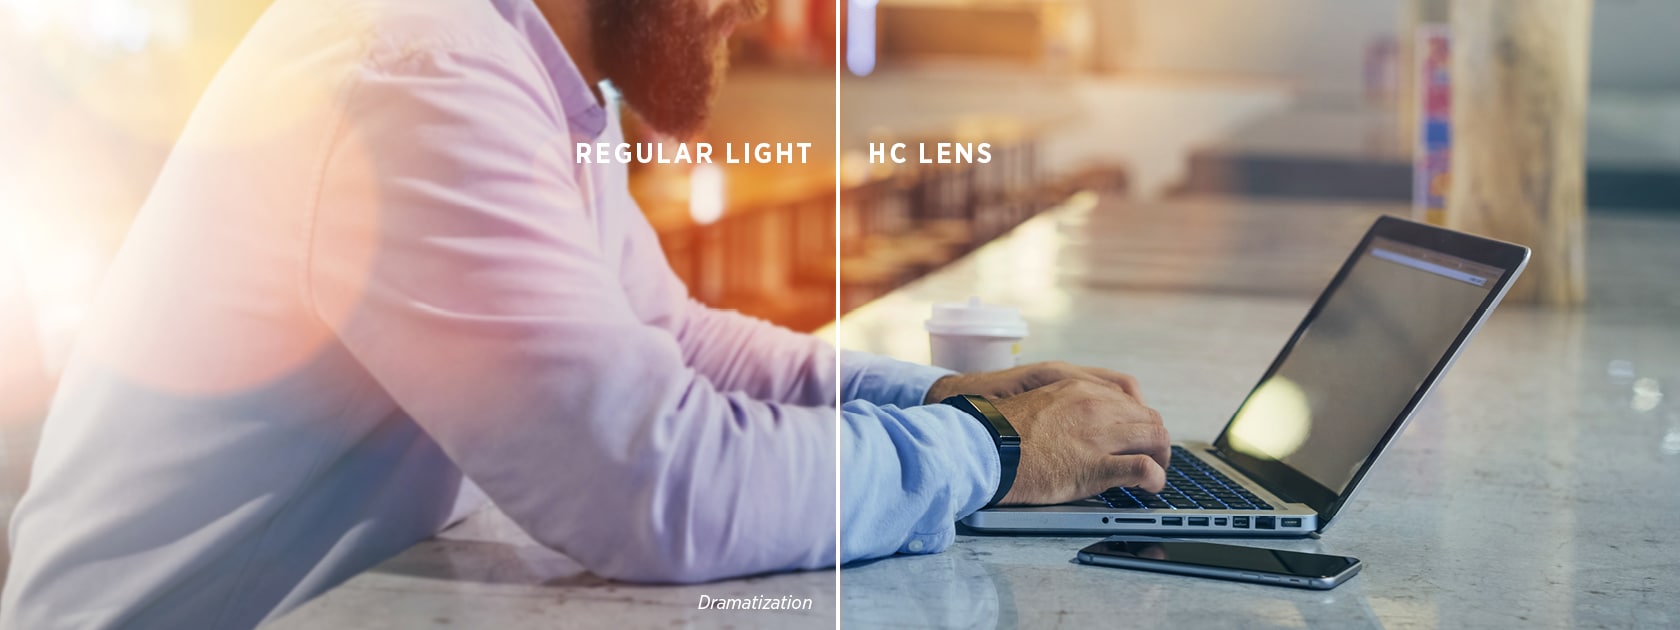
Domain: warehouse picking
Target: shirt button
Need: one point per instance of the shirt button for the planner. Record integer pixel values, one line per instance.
(916, 545)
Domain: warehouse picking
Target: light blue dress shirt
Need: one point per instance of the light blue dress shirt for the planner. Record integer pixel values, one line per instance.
(370, 271)
(909, 471)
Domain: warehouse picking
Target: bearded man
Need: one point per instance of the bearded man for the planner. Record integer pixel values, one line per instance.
(370, 276)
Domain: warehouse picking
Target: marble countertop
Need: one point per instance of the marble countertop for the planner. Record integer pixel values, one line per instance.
(486, 573)
(1539, 486)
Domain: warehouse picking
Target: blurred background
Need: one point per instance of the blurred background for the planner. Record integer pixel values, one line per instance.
(1173, 174)
(1182, 178)
(1273, 101)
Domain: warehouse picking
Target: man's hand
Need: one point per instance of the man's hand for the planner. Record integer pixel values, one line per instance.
(1017, 380)
(1079, 438)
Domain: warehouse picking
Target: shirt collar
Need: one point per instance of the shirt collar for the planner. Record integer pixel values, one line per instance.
(585, 116)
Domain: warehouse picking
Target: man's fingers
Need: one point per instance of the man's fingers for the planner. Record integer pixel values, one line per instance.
(1143, 438)
(1134, 471)
(1103, 385)
(1055, 371)
(1126, 382)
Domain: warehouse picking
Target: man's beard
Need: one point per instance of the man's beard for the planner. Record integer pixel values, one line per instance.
(666, 57)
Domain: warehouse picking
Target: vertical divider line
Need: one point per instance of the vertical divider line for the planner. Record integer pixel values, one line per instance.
(838, 333)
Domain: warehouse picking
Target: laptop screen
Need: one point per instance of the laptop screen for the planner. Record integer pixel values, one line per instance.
(1354, 368)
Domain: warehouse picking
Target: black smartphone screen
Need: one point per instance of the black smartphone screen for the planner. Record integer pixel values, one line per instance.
(1294, 563)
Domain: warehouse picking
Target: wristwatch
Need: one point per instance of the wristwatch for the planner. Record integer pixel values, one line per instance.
(1003, 434)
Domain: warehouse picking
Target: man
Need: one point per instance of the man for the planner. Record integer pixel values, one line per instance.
(369, 269)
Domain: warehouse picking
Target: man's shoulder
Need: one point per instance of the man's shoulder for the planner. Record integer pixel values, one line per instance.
(383, 32)
(473, 27)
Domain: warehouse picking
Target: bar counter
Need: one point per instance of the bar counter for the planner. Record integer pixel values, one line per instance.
(1538, 487)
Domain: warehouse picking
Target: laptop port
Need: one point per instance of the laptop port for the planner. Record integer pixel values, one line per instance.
(1172, 520)
(1198, 521)
(1220, 521)
(1265, 522)
(1239, 522)
(1291, 522)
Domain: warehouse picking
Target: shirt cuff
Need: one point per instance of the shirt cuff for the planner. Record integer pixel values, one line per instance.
(910, 475)
(975, 444)
(886, 381)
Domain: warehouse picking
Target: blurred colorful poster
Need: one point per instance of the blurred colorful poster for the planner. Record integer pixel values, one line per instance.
(1432, 159)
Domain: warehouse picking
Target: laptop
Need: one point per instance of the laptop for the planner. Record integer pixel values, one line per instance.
(1369, 351)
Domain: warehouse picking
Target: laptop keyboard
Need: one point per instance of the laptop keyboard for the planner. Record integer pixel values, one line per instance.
(1191, 485)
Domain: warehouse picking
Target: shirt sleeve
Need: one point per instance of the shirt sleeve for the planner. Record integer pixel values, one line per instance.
(884, 380)
(747, 354)
(908, 475)
(909, 471)
(737, 352)
(768, 362)
(459, 265)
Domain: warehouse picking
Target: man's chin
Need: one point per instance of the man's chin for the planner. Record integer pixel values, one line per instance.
(676, 125)
(668, 75)
(668, 114)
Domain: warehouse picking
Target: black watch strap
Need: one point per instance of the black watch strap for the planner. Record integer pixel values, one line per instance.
(1003, 434)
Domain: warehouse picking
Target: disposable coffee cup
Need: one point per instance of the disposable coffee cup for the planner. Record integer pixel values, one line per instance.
(975, 337)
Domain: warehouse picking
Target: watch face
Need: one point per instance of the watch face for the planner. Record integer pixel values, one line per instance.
(1002, 432)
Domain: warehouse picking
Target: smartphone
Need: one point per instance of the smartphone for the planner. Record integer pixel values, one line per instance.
(1226, 562)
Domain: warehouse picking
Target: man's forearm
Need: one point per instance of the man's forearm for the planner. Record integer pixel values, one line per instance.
(885, 381)
(763, 360)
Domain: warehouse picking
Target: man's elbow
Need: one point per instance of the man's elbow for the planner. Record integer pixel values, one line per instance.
(653, 569)
(648, 554)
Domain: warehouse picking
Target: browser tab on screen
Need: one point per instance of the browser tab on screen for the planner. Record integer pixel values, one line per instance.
(1434, 262)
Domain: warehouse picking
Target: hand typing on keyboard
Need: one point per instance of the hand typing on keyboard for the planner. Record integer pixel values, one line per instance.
(1021, 379)
(1191, 485)
(1079, 437)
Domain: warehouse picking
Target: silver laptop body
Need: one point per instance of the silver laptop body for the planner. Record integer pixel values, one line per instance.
(1369, 351)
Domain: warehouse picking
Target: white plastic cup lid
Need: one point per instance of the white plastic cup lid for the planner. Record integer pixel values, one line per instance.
(974, 319)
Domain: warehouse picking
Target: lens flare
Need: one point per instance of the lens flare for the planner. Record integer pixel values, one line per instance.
(1275, 420)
